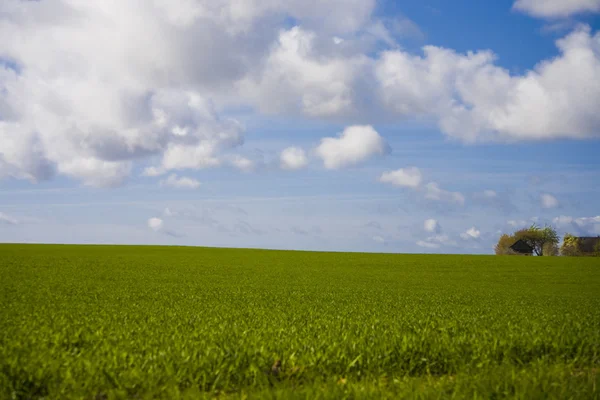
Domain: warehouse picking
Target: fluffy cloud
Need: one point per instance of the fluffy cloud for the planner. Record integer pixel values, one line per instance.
(297, 78)
(548, 201)
(7, 219)
(409, 177)
(156, 224)
(90, 89)
(471, 233)
(474, 100)
(293, 158)
(432, 226)
(356, 144)
(94, 86)
(556, 8)
(180, 182)
(585, 226)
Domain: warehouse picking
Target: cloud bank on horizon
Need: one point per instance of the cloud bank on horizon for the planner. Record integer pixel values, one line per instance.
(102, 92)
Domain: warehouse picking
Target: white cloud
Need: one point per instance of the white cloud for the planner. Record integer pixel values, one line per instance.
(589, 225)
(437, 238)
(95, 87)
(101, 84)
(585, 226)
(242, 163)
(293, 158)
(548, 201)
(156, 224)
(563, 220)
(96, 172)
(409, 177)
(153, 171)
(434, 192)
(432, 225)
(7, 219)
(474, 100)
(436, 241)
(490, 194)
(378, 239)
(180, 182)
(75, 105)
(299, 78)
(518, 223)
(356, 144)
(471, 233)
(429, 245)
(556, 8)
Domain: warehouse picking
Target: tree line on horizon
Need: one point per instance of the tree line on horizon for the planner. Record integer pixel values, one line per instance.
(544, 242)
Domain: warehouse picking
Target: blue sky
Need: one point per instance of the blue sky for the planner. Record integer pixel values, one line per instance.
(332, 125)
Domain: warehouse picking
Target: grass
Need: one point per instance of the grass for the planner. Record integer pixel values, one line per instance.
(107, 322)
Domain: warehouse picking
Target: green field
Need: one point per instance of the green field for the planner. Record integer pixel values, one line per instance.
(103, 322)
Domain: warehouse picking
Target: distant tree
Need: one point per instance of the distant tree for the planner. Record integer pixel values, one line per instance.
(550, 249)
(597, 249)
(538, 237)
(544, 241)
(570, 246)
(503, 246)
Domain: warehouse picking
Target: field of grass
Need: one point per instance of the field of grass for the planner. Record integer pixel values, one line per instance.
(104, 322)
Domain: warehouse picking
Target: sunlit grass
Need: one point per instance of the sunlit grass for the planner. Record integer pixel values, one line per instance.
(158, 322)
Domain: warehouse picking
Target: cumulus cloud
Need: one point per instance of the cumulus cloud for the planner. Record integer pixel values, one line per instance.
(89, 89)
(548, 201)
(556, 8)
(471, 233)
(156, 224)
(584, 226)
(92, 87)
(75, 105)
(474, 100)
(298, 78)
(7, 219)
(181, 182)
(293, 158)
(355, 144)
(432, 225)
(409, 177)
